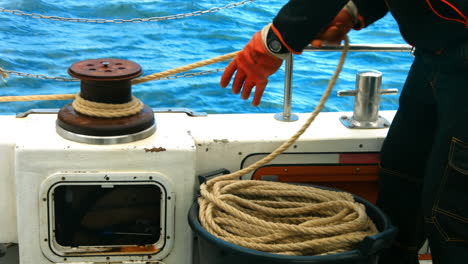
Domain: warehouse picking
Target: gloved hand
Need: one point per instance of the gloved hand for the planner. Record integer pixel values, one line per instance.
(335, 32)
(254, 64)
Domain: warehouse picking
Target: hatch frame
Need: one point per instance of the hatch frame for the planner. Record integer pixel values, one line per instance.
(64, 254)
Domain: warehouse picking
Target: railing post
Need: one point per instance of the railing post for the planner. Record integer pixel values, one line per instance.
(286, 115)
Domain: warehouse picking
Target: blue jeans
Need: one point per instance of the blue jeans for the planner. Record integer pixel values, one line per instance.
(424, 161)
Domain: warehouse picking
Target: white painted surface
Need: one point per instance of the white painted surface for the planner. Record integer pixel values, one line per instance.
(194, 145)
(8, 130)
(44, 153)
(224, 141)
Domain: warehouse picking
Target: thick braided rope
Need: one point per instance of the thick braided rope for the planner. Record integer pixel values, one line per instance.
(282, 218)
(22, 98)
(105, 110)
(187, 67)
(3, 73)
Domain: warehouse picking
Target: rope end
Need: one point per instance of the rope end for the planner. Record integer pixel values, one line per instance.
(3, 73)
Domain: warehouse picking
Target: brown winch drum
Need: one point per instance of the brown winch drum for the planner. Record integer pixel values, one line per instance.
(105, 112)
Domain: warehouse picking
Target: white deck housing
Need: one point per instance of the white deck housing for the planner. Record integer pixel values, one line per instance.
(182, 148)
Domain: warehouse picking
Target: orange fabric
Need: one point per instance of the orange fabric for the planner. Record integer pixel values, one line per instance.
(465, 19)
(254, 64)
(357, 179)
(335, 32)
(425, 257)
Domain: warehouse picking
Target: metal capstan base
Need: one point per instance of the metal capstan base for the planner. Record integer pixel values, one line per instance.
(103, 140)
(105, 81)
(350, 122)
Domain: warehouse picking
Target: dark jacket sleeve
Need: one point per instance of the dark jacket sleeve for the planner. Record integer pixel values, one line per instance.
(299, 21)
(371, 10)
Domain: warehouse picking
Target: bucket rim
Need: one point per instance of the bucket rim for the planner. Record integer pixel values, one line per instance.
(370, 244)
(199, 230)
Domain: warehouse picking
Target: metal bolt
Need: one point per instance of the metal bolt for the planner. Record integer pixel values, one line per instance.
(105, 64)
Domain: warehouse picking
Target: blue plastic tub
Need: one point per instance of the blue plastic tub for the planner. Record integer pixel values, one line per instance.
(212, 250)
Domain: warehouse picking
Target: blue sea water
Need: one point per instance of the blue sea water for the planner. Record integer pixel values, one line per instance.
(41, 46)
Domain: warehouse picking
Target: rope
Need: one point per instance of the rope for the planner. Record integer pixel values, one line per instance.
(84, 106)
(188, 67)
(23, 98)
(91, 108)
(3, 73)
(282, 218)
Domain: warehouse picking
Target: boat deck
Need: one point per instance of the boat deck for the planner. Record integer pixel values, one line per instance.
(12, 256)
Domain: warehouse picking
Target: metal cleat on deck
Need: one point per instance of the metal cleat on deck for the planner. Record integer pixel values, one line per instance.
(367, 101)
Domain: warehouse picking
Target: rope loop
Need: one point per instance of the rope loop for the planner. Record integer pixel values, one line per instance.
(105, 110)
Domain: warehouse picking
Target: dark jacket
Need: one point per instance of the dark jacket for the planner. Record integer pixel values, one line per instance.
(299, 21)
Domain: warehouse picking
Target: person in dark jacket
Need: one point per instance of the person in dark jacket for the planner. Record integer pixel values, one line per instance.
(424, 159)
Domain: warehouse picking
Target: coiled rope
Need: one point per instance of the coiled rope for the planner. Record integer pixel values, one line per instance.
(91, 108)
(279, 217)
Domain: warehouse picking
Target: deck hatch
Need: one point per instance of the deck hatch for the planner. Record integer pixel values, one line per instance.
(97, 217)
(100, 215)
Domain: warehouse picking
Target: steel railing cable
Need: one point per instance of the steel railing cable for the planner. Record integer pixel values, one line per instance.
(155, 76)
(174, 73)
(121, 21)
(5, 74)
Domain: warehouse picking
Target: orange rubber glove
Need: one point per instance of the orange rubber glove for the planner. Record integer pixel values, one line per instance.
(335, 32)
(254, 64)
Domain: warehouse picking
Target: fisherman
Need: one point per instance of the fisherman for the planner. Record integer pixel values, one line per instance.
(424, 159)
